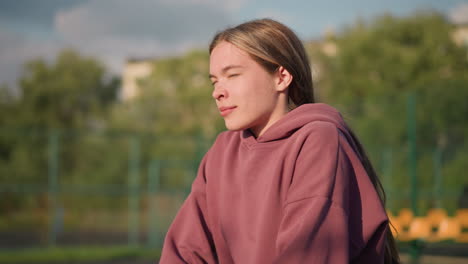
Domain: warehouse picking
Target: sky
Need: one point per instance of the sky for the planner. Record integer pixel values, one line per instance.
(116, 30)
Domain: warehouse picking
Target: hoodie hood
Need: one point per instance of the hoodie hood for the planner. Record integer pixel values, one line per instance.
(297, 118)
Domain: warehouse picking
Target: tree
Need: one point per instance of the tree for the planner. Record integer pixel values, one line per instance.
(70, 93)
(60, 98)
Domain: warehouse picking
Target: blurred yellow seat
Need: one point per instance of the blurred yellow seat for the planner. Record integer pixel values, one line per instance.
(435, 216)
(462, 216)
(405, 216)
(448, 229)
(419, 228)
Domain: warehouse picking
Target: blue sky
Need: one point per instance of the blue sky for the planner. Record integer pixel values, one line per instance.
(114, 30)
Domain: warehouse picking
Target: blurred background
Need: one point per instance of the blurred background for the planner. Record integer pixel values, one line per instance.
(106, 111)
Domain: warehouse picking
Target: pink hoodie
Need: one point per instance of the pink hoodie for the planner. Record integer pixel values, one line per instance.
(296, 194)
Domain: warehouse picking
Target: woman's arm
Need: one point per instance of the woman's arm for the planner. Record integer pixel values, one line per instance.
(189, 238)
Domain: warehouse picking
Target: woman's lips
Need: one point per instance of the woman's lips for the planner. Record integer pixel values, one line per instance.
(226, 110)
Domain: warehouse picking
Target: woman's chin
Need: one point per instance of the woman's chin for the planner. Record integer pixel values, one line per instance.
(234, 127)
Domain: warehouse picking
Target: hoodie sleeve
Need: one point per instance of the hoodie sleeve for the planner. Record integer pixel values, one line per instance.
(314, 225)
(189, 239)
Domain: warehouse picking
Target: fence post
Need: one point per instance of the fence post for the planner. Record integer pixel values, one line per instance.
(133, 192)
(412, 153)
(416, 247)
(387, 174)
(437, 158)
(154, 170)
(53, 167)
(193, 165)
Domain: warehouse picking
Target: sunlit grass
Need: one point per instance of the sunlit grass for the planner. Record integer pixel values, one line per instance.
(73, 254)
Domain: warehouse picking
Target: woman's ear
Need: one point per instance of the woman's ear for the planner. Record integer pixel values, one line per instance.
(283, 79)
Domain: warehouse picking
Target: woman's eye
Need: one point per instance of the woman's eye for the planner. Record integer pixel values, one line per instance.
(233, 75)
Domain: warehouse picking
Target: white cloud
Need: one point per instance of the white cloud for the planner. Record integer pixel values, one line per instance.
(141, 19)
(116, 29)
(459, 14)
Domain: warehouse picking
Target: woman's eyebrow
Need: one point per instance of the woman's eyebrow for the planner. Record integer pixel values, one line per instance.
(226, 68)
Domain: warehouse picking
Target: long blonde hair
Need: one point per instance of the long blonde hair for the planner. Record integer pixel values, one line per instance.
(272, 44)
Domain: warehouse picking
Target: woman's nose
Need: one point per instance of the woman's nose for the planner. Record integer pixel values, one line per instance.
(219, 92)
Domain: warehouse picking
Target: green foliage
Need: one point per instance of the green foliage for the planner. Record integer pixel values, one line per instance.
(174, 100)
(70, 94)
(67, 94)
(377, 66)
(72, 101)
(175, 111)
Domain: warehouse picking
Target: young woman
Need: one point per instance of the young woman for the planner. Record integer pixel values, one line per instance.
(289, 182)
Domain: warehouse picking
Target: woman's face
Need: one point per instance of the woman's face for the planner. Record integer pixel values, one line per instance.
(247, 96)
